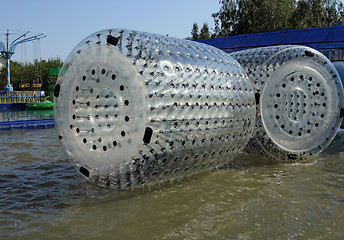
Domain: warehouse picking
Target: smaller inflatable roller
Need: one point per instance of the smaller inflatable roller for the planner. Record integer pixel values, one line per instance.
(299, 98)
(340, 68)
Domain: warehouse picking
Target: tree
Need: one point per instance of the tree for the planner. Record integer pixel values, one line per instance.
(254, 16)
(194, 32)
(316, 13)
(37, 71)
(205, 34)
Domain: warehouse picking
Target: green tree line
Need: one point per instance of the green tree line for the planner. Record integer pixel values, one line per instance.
(30, 72)
(237, 17)
(203, 34)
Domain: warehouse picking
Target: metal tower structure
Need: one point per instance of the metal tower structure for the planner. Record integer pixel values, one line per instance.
(7, 50)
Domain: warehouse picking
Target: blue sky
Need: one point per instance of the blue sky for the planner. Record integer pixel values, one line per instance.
(66, 23)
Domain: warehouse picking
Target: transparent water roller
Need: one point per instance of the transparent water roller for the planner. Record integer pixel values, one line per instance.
(299, 99)
(135, 108)
(339, 65)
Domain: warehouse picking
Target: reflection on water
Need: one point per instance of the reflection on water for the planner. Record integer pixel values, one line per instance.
(8, 115)
(43, 197)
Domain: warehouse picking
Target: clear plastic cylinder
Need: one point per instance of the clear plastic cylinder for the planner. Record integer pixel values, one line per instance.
(135, 108)
(299, 99)
(339, 65)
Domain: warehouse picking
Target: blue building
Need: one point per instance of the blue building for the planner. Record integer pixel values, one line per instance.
(328, 40)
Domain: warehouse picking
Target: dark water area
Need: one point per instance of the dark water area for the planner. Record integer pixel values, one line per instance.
(42, 197)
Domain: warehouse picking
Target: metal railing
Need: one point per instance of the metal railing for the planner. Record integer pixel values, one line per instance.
(19, 98)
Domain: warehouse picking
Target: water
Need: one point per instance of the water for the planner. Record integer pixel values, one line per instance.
(42, 197)
(8, 115)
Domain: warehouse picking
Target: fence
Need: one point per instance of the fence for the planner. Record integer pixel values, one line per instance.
(20, 97)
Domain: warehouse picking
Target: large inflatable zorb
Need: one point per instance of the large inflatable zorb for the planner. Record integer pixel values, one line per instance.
(134, 108)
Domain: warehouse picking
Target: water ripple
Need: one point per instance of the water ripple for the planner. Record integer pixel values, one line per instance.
(42, 197)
